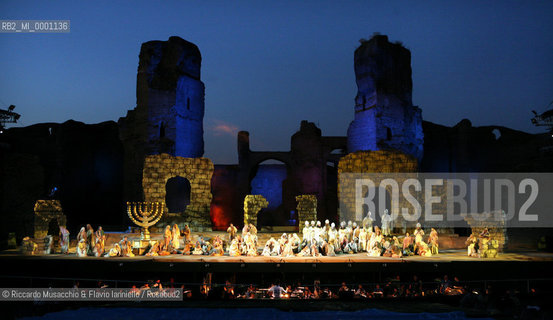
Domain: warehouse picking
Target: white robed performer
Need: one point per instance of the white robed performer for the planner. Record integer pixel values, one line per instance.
(418, 233)
(368, 221)
(386, 223)
(175, 241)
(332, 233)
(362, 240)
(318, 233)
(305, 231)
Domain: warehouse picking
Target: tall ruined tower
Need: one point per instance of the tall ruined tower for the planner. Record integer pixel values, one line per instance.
(385, 118)
(169, 112)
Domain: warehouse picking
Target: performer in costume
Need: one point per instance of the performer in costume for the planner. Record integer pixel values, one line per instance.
(115, 251)
(375, 243)
(433, 241)
(218, 249)
(349, 231)
(287, 249)
(268, 249)
(295, 242)
(187, 234)
(81, 248)
(368, 221)
(198, 249)
(231, 230)
(89, 240)
(362, 240)
(100, 239)
(98, 250)
(408, 248)
(235, 247)
(305, 231)
(48, 244)
(312, 231)
(252, 230)
(64, 240)
(167, 238)
(326, 230)
(318, 234)
(386, 223)
(175, 235)
(418, 233)
(472, 246)
(245, 230)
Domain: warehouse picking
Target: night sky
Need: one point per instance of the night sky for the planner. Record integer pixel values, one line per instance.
(267, 65)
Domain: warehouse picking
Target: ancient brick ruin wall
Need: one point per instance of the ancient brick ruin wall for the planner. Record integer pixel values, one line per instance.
(160, 168)
(385, 118)
(169, 87)
(252, 205)
(169, 112)
(307, 209)
(382, 165)
(46, 211)
(369, 162)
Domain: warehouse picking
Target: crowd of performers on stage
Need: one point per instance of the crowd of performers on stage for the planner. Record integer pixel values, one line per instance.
(482, 245)
(316, 240)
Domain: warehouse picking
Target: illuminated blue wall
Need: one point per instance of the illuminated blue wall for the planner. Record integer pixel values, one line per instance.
(268, 183)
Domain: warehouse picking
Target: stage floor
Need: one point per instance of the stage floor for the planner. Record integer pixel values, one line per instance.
(444, 256)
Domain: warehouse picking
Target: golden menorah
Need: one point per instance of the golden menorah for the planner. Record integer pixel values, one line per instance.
(145, 215)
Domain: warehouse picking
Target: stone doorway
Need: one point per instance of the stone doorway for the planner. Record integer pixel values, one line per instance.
(177, 194)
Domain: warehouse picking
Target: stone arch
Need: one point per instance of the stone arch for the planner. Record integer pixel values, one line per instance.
(177, 194)
(53, 227)
(45, 212)
(255, 158)
(158, 169)
(270, 181)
